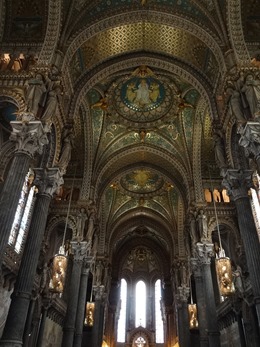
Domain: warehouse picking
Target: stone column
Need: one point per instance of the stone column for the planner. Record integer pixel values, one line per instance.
(183, 318)
(79, 252)
(237, 183)
(170, 326)
(201, 304)
(29, 139)
(81, 304)
(48, 182)
(204, 255)
(97, 332)
(45, 306)
(27, 329)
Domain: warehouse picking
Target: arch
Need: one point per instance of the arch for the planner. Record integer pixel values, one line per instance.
(236, 34)
(155, 17)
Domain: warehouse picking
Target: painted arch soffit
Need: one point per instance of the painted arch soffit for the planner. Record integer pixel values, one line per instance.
(141, 37)
(199, 12)
(133, 24)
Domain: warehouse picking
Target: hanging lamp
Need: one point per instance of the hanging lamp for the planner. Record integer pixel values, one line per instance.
(223, 264)
(90, 309)
(60, 260)
(193, 313)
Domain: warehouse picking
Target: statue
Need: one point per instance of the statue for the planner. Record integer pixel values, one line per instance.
(91, 226)
(102, 103)
(193, 229)
(220, 154)
(252, 94)
(99, 273)
(51, 104)
(235, 106)
(203, 226)
(81, 222)
(67, 144)
(35, 92)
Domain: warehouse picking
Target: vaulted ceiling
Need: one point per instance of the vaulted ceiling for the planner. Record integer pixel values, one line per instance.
(142, 156)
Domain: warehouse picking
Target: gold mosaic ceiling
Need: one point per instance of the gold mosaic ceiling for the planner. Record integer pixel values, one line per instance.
(143, 36)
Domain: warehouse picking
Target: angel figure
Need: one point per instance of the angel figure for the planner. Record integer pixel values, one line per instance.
(182, 102)
(102, 103)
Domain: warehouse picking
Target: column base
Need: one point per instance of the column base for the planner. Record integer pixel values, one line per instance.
(8, 343)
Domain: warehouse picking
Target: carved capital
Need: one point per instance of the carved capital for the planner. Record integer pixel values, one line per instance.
(99, 292)
(48, 180)
(204, 253)
(195, 267)
(183, 294)
(29, 137)
(79, 250)
(238, 182)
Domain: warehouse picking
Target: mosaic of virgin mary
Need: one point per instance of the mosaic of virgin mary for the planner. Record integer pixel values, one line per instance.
(142, 94)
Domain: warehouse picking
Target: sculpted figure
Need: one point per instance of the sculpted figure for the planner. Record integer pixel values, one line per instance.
(67, 144)
(252, 93)
(235, 105)
(81, 221)
(220, 154)
(203, 226)
(51, 104)
(35, 92)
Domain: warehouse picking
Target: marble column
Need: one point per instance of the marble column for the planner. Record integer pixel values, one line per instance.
(183, 317)
(238, 183)
(81, 304)
(47, 181)
(204, 255)
(201, 304)
(29, 139)
(79, 252)
(97, 330)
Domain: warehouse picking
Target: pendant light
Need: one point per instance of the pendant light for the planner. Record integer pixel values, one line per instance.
(193, 313)
(60, 260)
(90, 309)
(223, 264)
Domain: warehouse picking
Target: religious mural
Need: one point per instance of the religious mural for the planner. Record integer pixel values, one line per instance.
(143, 98)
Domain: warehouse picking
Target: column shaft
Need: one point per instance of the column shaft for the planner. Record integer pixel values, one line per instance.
(97, 333)
(201, 305)
(69, 324)
(81, 307)
(42, 326)
(17, 315)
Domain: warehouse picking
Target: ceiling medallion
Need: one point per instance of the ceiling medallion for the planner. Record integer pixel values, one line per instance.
(142, 181)
(142, 98)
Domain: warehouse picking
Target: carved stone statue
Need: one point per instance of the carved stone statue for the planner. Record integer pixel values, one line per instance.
(235, 106)
(67, 144)
(51, 104)
(203, 226)
(193, 229)
(91, 224)
(81, 222)
(99, 273)
(220, 154)
(35, 92)
(252, 93)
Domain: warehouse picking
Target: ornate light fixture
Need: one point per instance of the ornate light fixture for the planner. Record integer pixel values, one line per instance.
(60, 260)
(223, 265)
(193, 313)
(89, 318)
